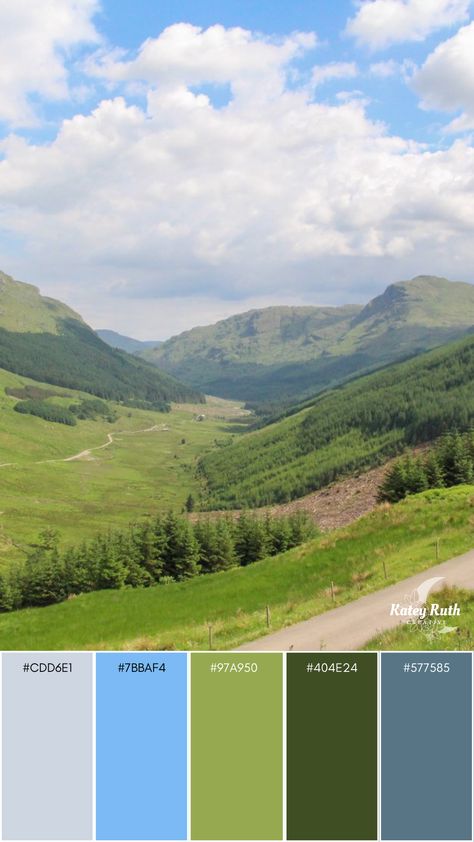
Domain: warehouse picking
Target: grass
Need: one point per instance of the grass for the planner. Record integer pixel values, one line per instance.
(139, 474)
(295, 585)
(430, 634)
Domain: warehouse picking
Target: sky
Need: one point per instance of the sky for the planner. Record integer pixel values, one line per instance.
(168, 163)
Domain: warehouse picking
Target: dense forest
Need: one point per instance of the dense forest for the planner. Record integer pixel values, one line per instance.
(77, 358)
(450, 462)
(347, 429)
(169, 548)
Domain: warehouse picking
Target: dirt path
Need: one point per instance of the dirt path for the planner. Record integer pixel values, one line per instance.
(86, 454)
(351, 626)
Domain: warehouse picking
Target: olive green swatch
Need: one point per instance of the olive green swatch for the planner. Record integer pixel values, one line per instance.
(236, 747)
(331, 746)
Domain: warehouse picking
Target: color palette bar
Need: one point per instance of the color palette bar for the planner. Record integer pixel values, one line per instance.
(332, 746)
(426, 746)
(236, 746)
(141, 726)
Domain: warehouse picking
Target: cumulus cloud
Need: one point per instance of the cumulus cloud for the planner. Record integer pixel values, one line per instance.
(34, 40)
(272, 195)
(379, 24)
(334, 70)
(446, 80)
(184, 55)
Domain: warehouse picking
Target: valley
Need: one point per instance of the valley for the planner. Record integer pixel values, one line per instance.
(106, 441)
(97, 475)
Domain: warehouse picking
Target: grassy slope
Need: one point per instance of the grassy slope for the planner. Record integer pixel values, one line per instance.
(346, 429)
(136, 475)
(287, 353)
(294, 585)
(23, 309)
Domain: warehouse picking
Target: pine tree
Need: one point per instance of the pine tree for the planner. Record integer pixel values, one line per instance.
(434, 470)
(112, 572)
(252, 542)
(182, 550)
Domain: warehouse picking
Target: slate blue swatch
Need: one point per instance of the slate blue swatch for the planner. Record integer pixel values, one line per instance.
(426, 746)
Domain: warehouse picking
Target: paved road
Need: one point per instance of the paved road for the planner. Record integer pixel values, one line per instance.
(352, 625)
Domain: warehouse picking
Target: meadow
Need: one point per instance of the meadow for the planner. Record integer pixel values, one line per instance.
(139, 474)
(390, 544)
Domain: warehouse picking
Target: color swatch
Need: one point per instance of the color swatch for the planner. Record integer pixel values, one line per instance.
(426, 746)
(47, 746)
(332, 746)
(141, 730)
(236, 746)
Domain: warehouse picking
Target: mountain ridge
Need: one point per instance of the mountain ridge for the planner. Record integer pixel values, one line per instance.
(286, 354)
(46, 340)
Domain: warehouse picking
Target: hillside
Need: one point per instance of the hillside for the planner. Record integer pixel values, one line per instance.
(347, 429)
(98, 474)
(285, 354)
(126, 343)
(47, 341)
(295, 586)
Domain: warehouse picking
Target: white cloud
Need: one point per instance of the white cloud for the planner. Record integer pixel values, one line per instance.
(335, 70)
(184, 55)
(446, 80)
(385, 69)
(380, 23)
(34, 38)
(272, 195)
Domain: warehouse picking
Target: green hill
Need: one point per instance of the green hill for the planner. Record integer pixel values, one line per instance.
(295, 586)
(286, 354)
(345, 430)
(126, 343)
(47, 341)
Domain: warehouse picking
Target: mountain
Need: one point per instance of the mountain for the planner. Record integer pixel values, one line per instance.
(287, 354)
(126, 343)
(44, 339)
(345, 430)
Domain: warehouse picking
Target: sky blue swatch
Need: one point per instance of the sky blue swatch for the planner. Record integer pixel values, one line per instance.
(141, 746)
(426, 747)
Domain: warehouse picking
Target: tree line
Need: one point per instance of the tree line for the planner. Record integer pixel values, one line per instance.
(167, 549)
(450, 462)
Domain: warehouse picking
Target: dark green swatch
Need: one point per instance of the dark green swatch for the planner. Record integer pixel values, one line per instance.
(331, 746)
(236, 746)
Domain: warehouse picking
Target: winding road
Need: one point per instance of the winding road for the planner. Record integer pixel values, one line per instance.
(351, 626)
(84, 454)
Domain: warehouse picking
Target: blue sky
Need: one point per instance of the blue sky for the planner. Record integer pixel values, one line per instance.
(167, 163)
